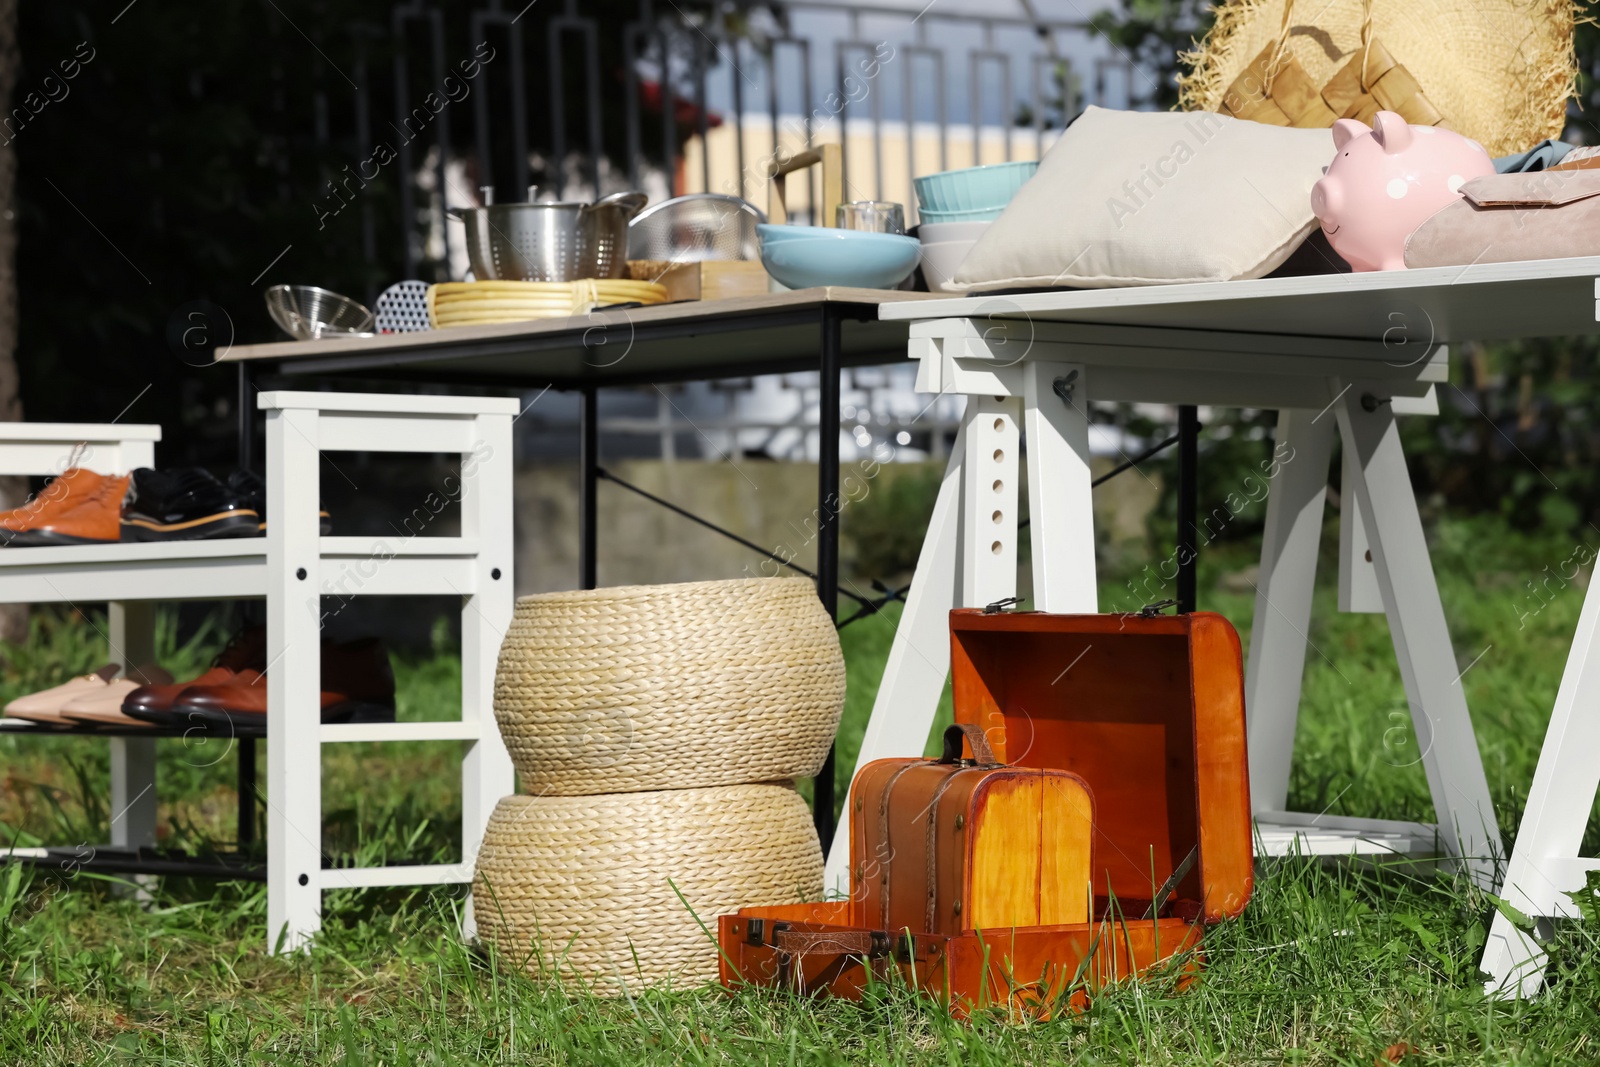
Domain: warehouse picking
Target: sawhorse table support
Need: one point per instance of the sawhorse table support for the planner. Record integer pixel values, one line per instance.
(1042, 387)
(1545, 866)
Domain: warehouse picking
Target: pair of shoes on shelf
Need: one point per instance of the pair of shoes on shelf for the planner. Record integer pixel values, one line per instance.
(82, 507)
(357, 686)
(90, 700)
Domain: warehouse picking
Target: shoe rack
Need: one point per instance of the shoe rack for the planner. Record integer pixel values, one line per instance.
(292, 567)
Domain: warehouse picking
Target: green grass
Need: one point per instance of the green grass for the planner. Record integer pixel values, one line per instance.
(1330, 963)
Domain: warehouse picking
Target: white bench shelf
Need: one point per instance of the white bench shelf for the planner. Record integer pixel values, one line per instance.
(292, 567)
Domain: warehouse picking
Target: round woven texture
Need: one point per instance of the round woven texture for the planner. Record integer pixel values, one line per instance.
(669, 686)
(583, 887)
(480, 303)
(1500, 71)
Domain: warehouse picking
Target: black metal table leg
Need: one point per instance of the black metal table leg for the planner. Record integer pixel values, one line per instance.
(1188, 498)
(588, 483)
(827, 529)
(247, 420)
(247, 791)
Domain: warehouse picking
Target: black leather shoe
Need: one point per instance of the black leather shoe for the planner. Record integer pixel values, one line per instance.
(186, 504)
(253, 491)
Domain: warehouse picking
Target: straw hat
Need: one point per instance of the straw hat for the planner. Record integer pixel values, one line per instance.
(1498, 71)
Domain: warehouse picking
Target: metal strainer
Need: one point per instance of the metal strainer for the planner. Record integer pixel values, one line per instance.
(700, 226)
(306, 312)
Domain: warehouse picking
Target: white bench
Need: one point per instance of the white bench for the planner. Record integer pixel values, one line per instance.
(292, 567)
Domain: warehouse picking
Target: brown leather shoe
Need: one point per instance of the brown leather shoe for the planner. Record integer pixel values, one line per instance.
(357, 686)
(79, 507)
(153, 703)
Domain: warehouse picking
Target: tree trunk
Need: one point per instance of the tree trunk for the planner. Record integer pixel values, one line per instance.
(13, 617)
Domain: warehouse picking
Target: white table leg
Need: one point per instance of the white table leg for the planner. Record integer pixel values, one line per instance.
(486, 513)
(133, 759)
(989, 496)
(294, 664)
(1060, 499)
(1278, 631)
(1542, 866)
(1428, 665)
(1358, 579)
(919, 660)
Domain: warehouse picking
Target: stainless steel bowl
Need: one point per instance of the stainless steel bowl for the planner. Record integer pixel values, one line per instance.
(306, 312)
(550, 241)
(697, 227)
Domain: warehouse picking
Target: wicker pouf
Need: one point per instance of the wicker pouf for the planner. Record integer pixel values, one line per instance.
(583, 886)
(669, 686)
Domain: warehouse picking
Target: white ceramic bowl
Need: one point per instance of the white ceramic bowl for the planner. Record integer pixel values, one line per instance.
(940, 260)
(932, 233)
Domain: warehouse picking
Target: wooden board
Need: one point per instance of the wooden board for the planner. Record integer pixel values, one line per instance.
(708, 280)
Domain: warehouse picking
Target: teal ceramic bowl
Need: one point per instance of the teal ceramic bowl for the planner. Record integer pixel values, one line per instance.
(817, 256)
(988, 214)
(984, 188)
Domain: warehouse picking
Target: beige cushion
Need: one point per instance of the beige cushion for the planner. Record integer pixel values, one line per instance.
(1153, 197)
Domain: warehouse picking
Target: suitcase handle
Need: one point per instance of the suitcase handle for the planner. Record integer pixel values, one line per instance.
(974, 736)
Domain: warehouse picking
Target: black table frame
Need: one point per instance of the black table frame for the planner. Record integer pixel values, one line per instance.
(419, 368)
(828, 319)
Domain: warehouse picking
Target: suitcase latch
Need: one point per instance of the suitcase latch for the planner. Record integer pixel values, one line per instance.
(1001, 605)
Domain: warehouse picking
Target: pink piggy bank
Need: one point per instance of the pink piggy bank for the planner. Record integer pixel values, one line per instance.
(1387, 181)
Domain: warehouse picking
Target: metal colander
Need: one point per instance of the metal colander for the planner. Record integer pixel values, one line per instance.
(306, 312)
(700, 226)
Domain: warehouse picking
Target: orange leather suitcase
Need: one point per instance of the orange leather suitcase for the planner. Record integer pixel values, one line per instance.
(952, 844)
(1149, 711)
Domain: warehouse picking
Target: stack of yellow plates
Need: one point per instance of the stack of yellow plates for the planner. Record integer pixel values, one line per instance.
(480, 303)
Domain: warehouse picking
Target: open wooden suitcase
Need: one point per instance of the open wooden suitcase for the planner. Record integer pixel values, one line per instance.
(1148, 710)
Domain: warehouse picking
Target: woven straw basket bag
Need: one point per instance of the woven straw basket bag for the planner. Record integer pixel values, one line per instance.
(1497, 71)
(669, 686)
(583, 886)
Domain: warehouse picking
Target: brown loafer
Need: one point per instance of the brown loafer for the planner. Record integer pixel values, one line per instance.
(153, 703)
(357, 686)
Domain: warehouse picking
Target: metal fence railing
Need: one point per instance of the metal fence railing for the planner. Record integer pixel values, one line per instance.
(677, 98)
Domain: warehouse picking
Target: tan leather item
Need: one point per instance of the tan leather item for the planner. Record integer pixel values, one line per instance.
(1584, 157)
(104, 708)
(45, 706)
(948, 845)
(1505, 218)
(77, 507)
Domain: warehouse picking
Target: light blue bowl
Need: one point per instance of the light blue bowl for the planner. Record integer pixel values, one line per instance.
(771, 231)
(818, 256)
(988, 214)
(983, 188)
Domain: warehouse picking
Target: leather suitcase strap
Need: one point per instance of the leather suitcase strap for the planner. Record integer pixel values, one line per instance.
(973, 735)
(887, 862)
(954, 735)
(851, 942)
(933, 844)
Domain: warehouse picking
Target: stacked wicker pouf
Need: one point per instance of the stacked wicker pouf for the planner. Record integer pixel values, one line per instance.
(656, 731)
